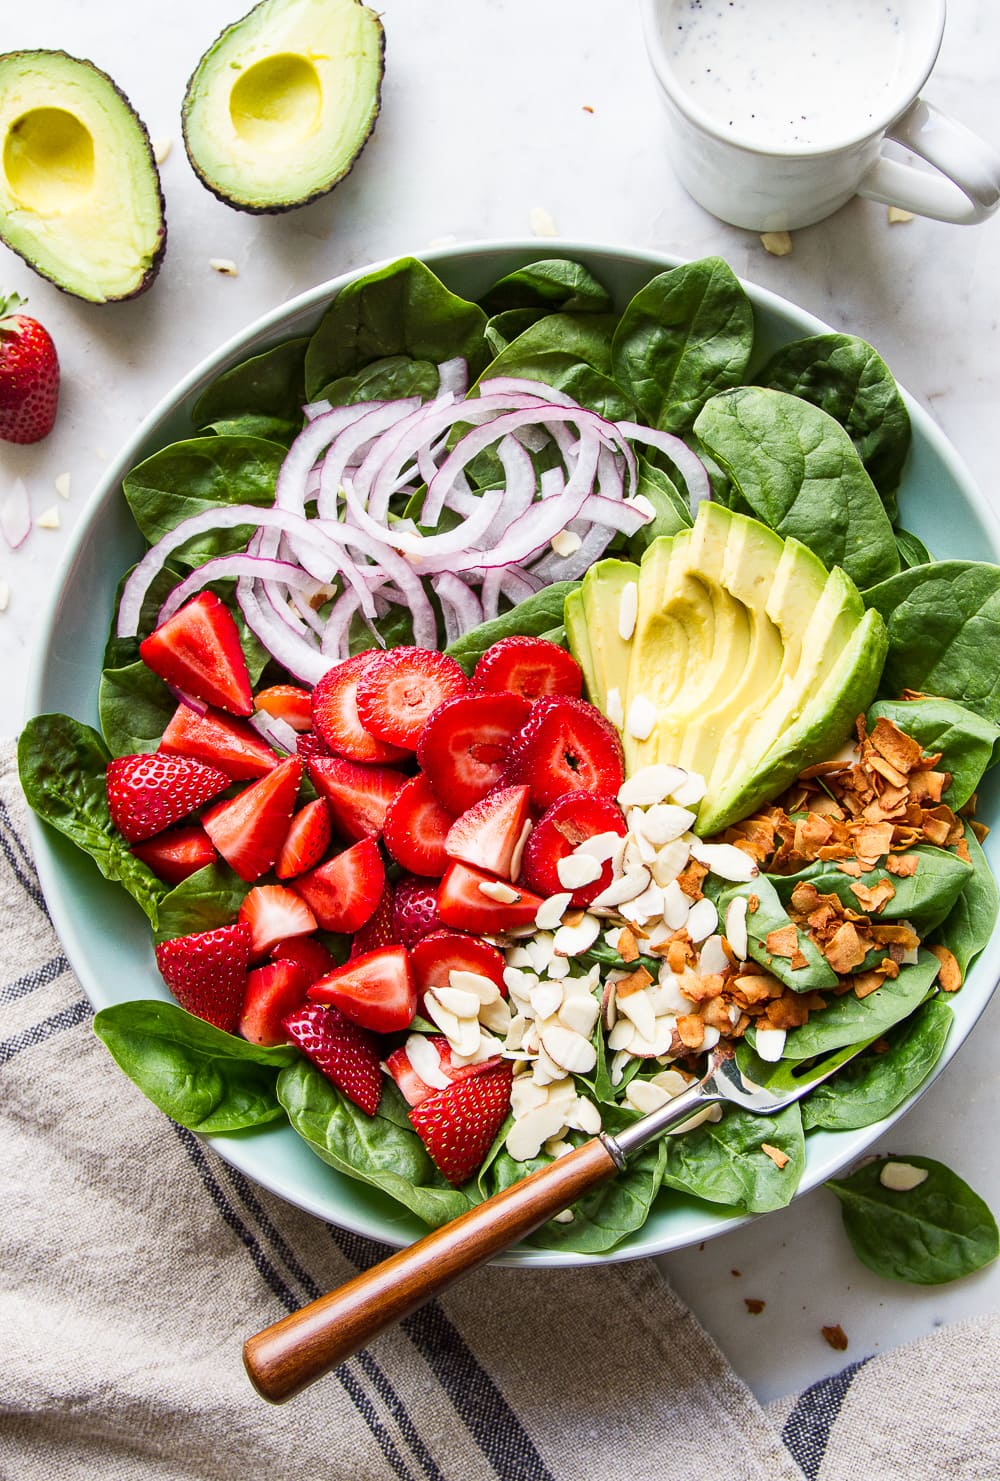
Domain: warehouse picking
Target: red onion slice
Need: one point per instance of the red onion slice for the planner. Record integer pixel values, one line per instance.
(687, 463)
(15, 515)
(276, 732)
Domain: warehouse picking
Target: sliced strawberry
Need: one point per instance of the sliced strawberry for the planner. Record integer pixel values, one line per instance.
(528, 666)
(358, 796)
(335, 712)
(401, 687)
(219, 740)
(306, 841)
(287, 702)
(306, 952)
(198, 650)
(416, 826)
(440, 953)
(310, 744)
(413, 1089)
(491, 833)
(466, 743)
(379, 929)
(273, 991)
(459, 1125)
(374, 990)
(344, 892)
(468, 900)
(346, 1054)
(249, 830)
(175, 855)
(569, 821)
(273, 913)
(207, 972)
(566, 746)
(414, 910)
(148, 793)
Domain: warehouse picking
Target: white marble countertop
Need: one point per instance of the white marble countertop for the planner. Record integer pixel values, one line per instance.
(489, 111)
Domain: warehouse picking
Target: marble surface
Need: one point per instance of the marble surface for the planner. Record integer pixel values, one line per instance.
(491, 112)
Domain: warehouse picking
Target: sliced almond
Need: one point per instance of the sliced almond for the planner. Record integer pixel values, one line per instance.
(577, 870)
(571, 940)
(526, 1096)
(600, 846)
(483, 988)
(676, 906)
(712, 958)
(496, 889)
(650, 785)
(628, 610)
(646, 906)
(546, 999)
(736, 926)
(644, 1096)
(540, 949)
(515, 1032)
(518, 854)
(614, 709)
(462, 1004)
(580, 1014)
(626, 887)
(496, 1015)
(641, 718)
(530, 1131)
(441, 1016)
(666, 821)
(769, 1044)
(725, 860)
(703, 919)
(902, 1177)
(550, 912)
(691, 790)
(670, 860)
(571, 1050)
(566, 542)
(584, 1116)
(638, 1007)
(426, 1062)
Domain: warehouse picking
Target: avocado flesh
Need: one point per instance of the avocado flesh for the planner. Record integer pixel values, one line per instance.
(80, 196)
(600, 650)
(281, 105)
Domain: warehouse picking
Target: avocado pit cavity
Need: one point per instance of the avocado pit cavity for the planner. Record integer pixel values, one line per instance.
(48, 160)
(276, 101)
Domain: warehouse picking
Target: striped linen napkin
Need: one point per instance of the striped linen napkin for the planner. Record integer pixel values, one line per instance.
(133, 1262)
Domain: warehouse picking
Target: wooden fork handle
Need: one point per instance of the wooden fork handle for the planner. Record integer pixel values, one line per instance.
(285, 1358)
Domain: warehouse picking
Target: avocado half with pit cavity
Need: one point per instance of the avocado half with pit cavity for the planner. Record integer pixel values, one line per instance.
(80, 195)
(281, 105)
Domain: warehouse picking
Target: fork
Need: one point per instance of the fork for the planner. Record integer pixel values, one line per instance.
(284, 1358)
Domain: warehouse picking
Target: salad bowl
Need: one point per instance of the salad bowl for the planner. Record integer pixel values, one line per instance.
(106, 938)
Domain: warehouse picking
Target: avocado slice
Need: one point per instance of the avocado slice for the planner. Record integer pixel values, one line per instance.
(282, 103)
(80, 196)
(591, 618)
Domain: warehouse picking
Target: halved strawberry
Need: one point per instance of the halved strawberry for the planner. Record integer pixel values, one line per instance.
(413, 1089)
(440, 953)
(379, 929)
(465, 745)
(468, 900)
(147, 793)
(528, 666)
(273, 913)
(458, 1125)
(219, 740)
(357, 796)
(335, 712)
(273, 991)
(198, 650)
(569, 821)
(414, 910)
(566, 745)
(346, 1054)
(287, 702)
(306, 841)
(401, 687)
(249, 829)
(306, 952)
(416, 826)
(491, 833)
(344, 892)
(175, 855)
(374, 990)
(310, 744)
(207, 972)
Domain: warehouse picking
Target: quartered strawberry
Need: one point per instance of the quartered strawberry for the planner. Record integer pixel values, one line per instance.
(474, 901)
(379, 929)
(219, 740)
(29, 375)
(413, 1089)
(249, 829)
(416, 826)
(287, 702)
(147, 793)
(528, 666)
(335, 713)
(207, 972)
(401, 687)
(273, 914)
(175, 855)
(273, 991)
(357, 796)
(344, 892)
(306, 841)
(466, 744)
(491, 833)
(569, 821)
(374, 990)
(198, 650)
(435, 956)
(566, 745)
(459, 1125)
(414, 910)
(306, 952)
(346, 1054)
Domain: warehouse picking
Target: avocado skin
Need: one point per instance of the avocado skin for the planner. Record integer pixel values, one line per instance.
(151, 272)
(250, 207)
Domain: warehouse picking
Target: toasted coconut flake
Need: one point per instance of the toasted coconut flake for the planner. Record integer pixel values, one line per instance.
(783, 943)
(778, 1157)
(874, 899)
(950, 975)
(865, 983)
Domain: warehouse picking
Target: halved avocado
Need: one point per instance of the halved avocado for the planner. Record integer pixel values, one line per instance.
(80, 196)
(281, 105)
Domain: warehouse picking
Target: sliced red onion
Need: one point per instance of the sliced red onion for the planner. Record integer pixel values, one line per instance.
(687, 463)
(552, 567)
(338, 626)
(460, 607)
(453, 376)
(198, 705)
(15, 515)
(378, 418)
(276, 732)
(300, 656)
(314, 409)
(224, 567)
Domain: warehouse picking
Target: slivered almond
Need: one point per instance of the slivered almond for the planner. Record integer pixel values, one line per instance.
(628, 609)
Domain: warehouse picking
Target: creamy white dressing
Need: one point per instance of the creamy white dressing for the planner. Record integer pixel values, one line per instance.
(788, 72)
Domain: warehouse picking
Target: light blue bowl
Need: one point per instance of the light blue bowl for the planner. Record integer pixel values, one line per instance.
(106, 936)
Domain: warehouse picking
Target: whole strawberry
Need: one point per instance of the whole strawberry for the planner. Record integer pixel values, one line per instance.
(29, 376)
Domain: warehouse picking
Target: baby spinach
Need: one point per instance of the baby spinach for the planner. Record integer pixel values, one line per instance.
(799, 472)
(969, 744)
(671, 509)
(924, 898)
(209, 898)
(969, 926)
(391, 379)
(770, 915)
(199, 1075)
(550, 283)
(260, 397)
(534, 616)
(912, 550)
(934, 1233)
(722, 1161)
(571, 352)
(135, 708)
(851, 1020)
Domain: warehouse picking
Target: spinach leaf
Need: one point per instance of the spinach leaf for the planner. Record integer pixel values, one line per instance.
(871, 1086)
(969, 926)
(924, 898)
(968, 743)
(506, 326)
(393, 378)
(573, 353)
(912, 551)
(770, 915)
(135, 708)
(197, 1074)
(402, 309)
(850, 1020)
(62, 765)
(671, 510)
(722, 1161)
(941, 620)
(119, 652)
(685, 336)
(261, 397)
(798, 470)
(936, 1232)
(553, 282)
(534, 616)
(209, 898)
(852, 383)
